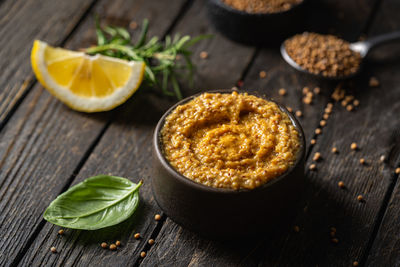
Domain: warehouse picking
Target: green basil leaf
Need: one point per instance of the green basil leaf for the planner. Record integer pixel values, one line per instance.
(95, 203)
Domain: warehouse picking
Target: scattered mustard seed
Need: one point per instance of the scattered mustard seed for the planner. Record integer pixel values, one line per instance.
(136, 236)
(305, 90)
(312, 167)
(203, 55)
(362, 161)
(296, 229)
(349, 107)
(349, 98)
(322, 123)
(157, 217)
(53, 249)
(325, 116)
(343, 103)
(317, 156)
(341, 184)
(133, 25)
(338, 93)
(373, 82)
(263, 74)
(151, 241)
(318, 131)
(313, 141)
(104, 245)
(328, 110)
(353, 146)
(397, 171)
(335, 240)
(142, 254)
(113, 247)
(356, 103)
(332, 234)
(289, 109)
(360, 198)
(334, 150)
(317, 90)
(61, 232)
(355, 263)
(299, 113)
(282, 92)
(307, 100)
(382, 158)
(118, 243)
(329, 105)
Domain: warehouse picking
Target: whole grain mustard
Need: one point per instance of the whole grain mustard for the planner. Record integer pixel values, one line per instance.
(235, 141)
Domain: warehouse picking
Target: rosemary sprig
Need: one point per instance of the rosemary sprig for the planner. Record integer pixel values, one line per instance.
(162, 58)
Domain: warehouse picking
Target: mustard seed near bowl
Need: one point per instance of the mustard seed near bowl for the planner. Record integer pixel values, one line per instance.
(235, 141)
(262, 6)
(325, 55)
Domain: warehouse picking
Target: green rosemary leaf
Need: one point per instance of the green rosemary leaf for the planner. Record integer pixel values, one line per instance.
(160, 57)
(175, 85)
(101, 39)
(123, 33)
(142, 38)
(179, 43)
(196, 39)
(110, 30)
(150, 74)
(190, 68)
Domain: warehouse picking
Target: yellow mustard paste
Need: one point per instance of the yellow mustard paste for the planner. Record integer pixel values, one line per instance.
(230, 140)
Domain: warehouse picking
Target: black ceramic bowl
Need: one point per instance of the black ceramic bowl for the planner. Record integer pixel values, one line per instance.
(225, 213)
(255, 28)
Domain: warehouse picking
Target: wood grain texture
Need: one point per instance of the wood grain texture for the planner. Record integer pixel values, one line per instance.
(45, 141)
(385, 64)
(125, 150)
(226, 60)
(21, 22)
(290, 249)
(39, 151)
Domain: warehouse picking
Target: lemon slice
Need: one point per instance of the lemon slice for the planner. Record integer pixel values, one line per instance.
(85, 83)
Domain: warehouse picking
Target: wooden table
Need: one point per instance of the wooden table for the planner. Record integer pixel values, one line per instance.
(46, 147)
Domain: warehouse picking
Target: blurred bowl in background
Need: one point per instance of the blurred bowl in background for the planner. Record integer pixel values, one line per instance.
(255, 28)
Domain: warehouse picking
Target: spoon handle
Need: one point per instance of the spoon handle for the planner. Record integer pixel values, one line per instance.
(381, 39)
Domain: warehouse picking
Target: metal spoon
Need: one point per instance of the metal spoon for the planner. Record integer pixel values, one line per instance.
(362, 47)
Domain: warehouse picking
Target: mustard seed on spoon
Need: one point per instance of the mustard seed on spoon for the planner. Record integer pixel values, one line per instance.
(328, 56)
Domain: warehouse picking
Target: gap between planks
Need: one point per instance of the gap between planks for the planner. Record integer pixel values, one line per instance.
(31, 81)
(75, 172)
(246, 70)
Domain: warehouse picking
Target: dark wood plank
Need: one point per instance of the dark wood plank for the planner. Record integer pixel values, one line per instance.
(45, 142)
(306, 248)
(21, 22)
(125, 150)
(385, 64)
(374, 127)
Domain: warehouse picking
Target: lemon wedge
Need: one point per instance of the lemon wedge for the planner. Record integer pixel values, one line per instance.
(85, 83)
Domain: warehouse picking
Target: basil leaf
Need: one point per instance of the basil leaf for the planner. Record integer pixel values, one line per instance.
(95, 203)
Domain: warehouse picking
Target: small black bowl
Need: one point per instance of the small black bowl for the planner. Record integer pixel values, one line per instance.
(220, 213)
(255, 28)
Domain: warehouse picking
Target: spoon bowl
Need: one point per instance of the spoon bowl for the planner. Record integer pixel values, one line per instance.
(362, 47)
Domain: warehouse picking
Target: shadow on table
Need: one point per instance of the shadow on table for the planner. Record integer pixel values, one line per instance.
(284, 246)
